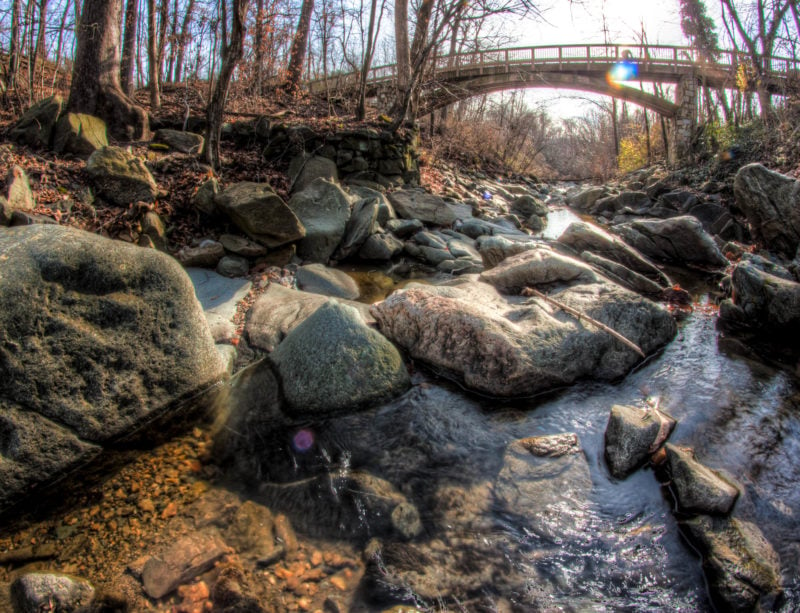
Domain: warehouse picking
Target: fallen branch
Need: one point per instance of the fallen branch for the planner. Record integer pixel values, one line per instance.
(529, 291)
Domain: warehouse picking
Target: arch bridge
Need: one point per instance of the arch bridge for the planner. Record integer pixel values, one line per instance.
(590, 68)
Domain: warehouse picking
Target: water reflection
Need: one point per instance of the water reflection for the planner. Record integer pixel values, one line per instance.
(562, 535)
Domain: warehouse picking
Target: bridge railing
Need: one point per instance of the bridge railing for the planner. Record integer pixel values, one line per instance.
(653, 55)
(590, 56)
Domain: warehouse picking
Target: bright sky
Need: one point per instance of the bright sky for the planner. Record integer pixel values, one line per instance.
(582, 22)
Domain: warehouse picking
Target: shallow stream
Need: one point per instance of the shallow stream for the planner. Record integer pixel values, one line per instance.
(612, 546)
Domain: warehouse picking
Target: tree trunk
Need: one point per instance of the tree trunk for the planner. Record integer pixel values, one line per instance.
(129, 46)
(187, 21)
(232, 52)
(361, 111)
(95, 76)
(173, 42)
(163, 23)
(258, 58)
(297, 55)
(402, 51)
(13, 54)
(39, 49)
(152, 57)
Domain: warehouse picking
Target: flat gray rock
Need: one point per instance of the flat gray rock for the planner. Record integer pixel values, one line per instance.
(219, 297)
(319, 279)
(428, 208)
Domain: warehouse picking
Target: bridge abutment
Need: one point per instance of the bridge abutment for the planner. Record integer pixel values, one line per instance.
(685, 121)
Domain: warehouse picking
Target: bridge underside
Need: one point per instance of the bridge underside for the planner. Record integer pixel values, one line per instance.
(445, 94)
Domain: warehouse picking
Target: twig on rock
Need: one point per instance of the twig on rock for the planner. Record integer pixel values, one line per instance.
(529, 291)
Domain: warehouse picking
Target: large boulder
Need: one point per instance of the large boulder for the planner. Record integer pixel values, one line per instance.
(80, 134)
(771, 203)
(510, 346)
(260, 213)
(581, 236)
(35, 127)
(763, 300)
(324, 209)
(304, 170)
(279, 310)
(19, 195)
(120, 178)
(429, 208)
(632, 434)
(99, 338)
(584, 199)
(681, 240)
(332, 362)
(741, 567)
(360, 226)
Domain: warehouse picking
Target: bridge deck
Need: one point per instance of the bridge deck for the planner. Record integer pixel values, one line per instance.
(657, 63)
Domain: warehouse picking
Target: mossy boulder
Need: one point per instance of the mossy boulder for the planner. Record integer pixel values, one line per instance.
(120, 177)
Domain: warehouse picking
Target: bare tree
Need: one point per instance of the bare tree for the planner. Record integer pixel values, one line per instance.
(128, 46)
(760, 41)
(369, 52)
(182, 40)
(13, 54)
(299, 47)
(152, 58)
(232, 50)
(95, 77)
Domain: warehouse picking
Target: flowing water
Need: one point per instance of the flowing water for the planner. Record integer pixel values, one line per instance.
(610, 546)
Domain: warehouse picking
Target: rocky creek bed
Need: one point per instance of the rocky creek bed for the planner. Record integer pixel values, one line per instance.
(480, 416)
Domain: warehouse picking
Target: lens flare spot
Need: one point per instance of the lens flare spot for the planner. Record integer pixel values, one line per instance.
(303, 440)
(622, 71)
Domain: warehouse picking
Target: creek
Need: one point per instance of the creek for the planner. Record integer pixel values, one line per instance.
(616, 546)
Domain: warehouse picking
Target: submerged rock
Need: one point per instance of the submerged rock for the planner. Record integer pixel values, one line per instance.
(632, 435)
(540, 475)
(99, 338)
(181, 562)
(333, 361)
(698, 489)
(741, 567)
(510, 346)
(43, 591)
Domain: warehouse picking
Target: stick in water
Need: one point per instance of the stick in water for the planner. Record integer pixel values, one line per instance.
(529, 291)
